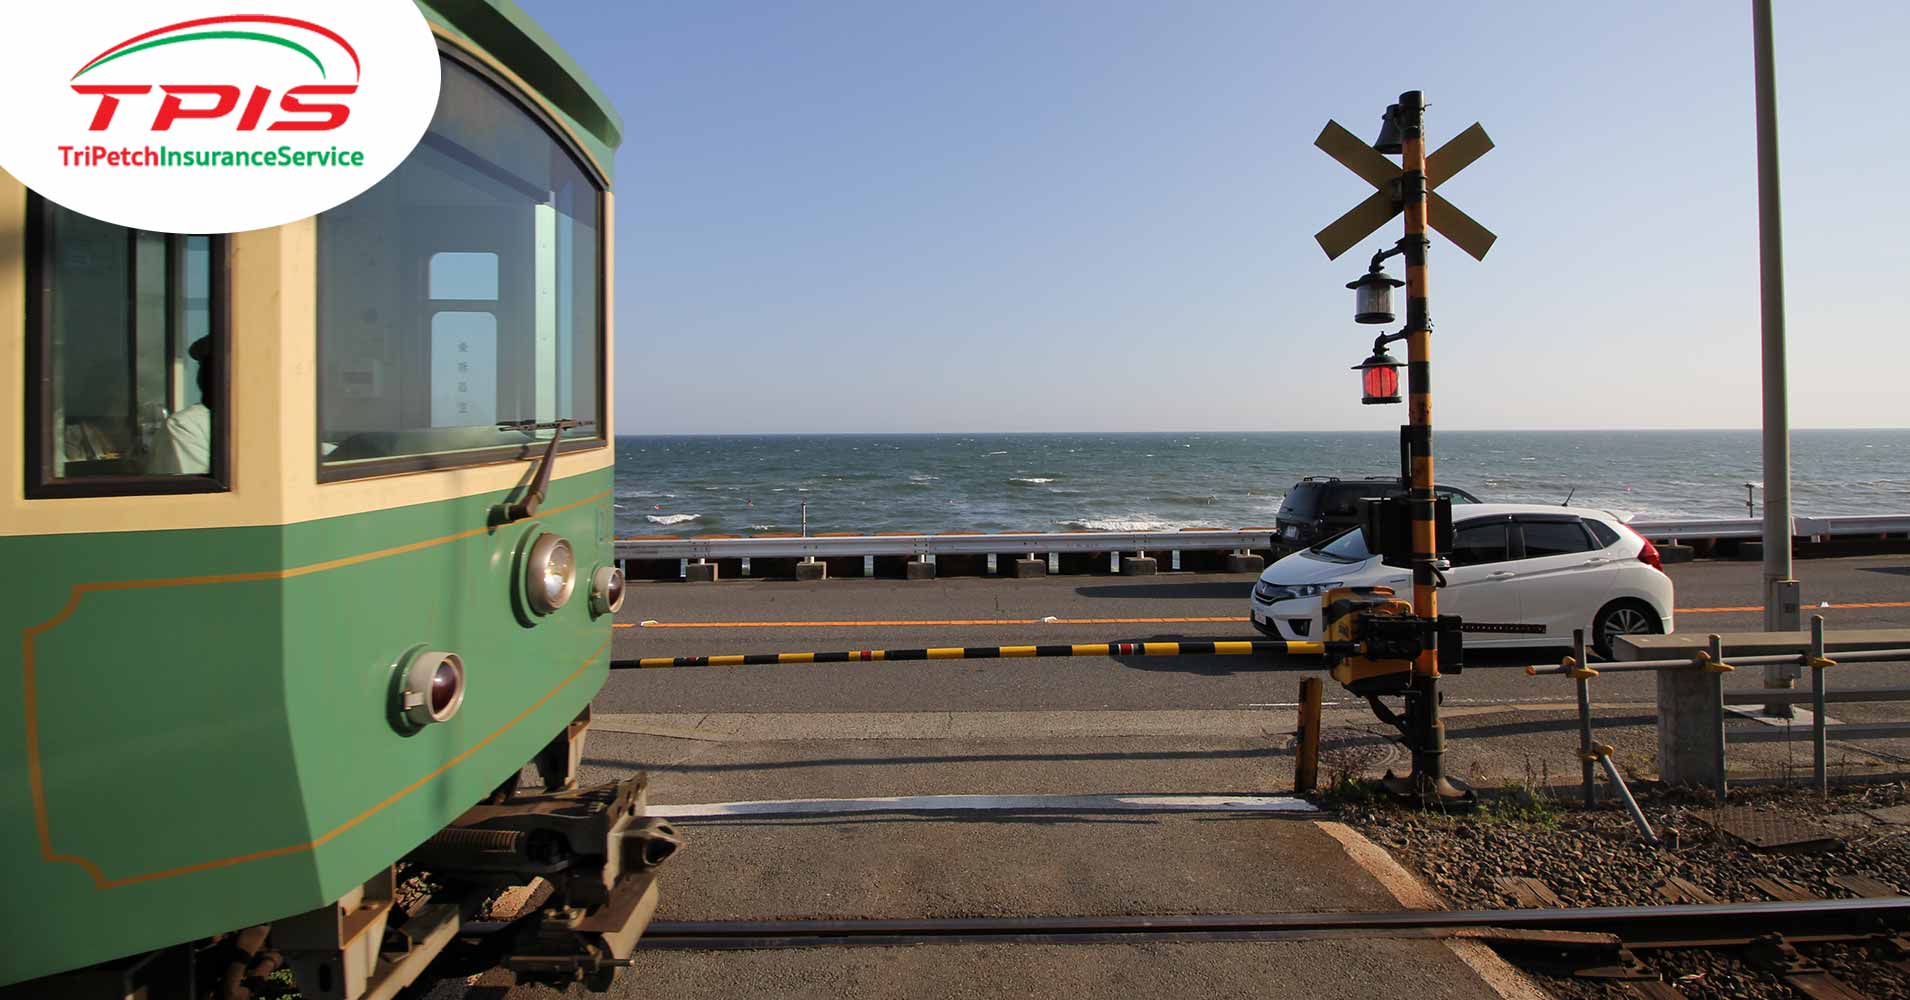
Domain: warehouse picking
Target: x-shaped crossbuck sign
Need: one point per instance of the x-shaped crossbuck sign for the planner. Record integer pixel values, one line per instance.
(1384, 203)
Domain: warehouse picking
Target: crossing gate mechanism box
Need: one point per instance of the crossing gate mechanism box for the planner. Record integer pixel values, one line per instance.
(1387, 525)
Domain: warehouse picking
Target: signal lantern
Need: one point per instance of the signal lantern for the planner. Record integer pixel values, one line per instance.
(1373, 295)
(1379, 377)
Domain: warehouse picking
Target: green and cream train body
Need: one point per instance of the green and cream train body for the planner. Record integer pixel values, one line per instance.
(285, 595)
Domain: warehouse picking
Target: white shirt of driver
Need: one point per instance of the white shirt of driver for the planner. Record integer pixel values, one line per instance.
(183, 445)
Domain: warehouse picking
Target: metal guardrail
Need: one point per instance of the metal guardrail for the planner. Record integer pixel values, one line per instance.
(1165, 541)
(1745, 527)
(1733, 527)
(1855, 524)
(921, 545)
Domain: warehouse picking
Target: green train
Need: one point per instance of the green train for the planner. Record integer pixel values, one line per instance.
(310, 578)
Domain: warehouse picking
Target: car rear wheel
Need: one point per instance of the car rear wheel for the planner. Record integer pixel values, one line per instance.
(1623, 617)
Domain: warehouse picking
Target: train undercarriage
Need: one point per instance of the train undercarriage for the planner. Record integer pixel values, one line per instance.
(552, 885)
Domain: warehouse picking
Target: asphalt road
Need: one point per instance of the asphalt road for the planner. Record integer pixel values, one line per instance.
(1062, 726)
(776, 616)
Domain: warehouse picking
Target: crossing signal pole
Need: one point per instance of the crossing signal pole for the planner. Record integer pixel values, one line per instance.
(1407, 189)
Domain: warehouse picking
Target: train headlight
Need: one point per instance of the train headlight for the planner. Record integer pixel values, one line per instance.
(550, 573)
(430, 688)
(606, 590)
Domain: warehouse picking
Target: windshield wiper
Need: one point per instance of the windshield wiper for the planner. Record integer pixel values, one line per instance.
(527, 505)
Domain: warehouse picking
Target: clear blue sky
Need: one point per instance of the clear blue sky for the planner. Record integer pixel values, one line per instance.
(1063, 215)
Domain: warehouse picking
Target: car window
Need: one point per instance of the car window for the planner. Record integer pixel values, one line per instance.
(1603, 532)
(1458, 497)
(1555, 538)
(1342, 500)
(1301, 502)
(1478, 544)
(1347, 546)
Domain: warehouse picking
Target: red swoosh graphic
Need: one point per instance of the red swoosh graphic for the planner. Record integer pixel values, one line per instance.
(229, 18)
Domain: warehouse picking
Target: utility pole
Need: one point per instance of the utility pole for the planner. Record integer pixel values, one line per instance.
(1781, 592)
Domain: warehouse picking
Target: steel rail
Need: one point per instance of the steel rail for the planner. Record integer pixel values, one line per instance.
(1667, 926)
(1255, 647)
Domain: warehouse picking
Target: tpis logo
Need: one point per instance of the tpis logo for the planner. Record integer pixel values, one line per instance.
(197, 117)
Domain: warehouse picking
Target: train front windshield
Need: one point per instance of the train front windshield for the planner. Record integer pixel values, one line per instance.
(460, 294)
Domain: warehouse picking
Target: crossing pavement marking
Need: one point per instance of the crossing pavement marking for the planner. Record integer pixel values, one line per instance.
(989, 803)
(897, 622)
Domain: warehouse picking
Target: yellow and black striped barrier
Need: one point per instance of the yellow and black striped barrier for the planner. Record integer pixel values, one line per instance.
(1255, 647)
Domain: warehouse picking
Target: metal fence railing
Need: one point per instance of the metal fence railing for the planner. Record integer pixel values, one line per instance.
(1712, 662)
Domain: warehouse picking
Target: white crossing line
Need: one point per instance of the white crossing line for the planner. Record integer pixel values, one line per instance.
(991, 803)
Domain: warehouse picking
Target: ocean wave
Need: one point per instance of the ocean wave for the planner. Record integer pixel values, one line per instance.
(924, 479)
(1188, 498)
(671, 518)
(1031, 480)
(1132, 522)
(642, 494)
(995, 453)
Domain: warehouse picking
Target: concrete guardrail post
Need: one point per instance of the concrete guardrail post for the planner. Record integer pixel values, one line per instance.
(894, 567)
(1021, 565)
(1138, 564)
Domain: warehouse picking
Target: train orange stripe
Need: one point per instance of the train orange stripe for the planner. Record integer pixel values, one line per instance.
(29, 698)
(334, 832)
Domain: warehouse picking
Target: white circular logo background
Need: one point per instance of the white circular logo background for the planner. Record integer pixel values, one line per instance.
(212, 116)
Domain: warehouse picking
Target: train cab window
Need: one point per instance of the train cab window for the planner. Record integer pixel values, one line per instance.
(126, 357)
(461, 295)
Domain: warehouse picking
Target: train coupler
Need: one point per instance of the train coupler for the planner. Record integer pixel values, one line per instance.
(595, 849)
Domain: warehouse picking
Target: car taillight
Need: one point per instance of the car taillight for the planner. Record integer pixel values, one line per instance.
(1649, 554)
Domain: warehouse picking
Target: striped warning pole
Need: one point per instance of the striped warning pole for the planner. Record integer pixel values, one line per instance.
(1427, 782)
(1257, 647)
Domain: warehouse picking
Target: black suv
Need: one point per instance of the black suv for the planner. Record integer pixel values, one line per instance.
(1319, 507)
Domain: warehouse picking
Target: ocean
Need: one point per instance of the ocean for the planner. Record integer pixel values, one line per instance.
(1135, 482)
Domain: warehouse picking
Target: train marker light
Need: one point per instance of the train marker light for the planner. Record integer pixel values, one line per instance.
(431, 688)
(606, 591)
(550, 573)
(1379, 377)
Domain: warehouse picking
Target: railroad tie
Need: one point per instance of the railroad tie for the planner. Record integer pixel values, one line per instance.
(1679, 890)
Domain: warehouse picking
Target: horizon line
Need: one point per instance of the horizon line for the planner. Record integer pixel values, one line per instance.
(1389, 433)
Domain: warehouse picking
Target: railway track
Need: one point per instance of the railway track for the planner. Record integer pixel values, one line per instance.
(1587, 943)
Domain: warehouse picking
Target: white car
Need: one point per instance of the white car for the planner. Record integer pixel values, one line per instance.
(1561, 567)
